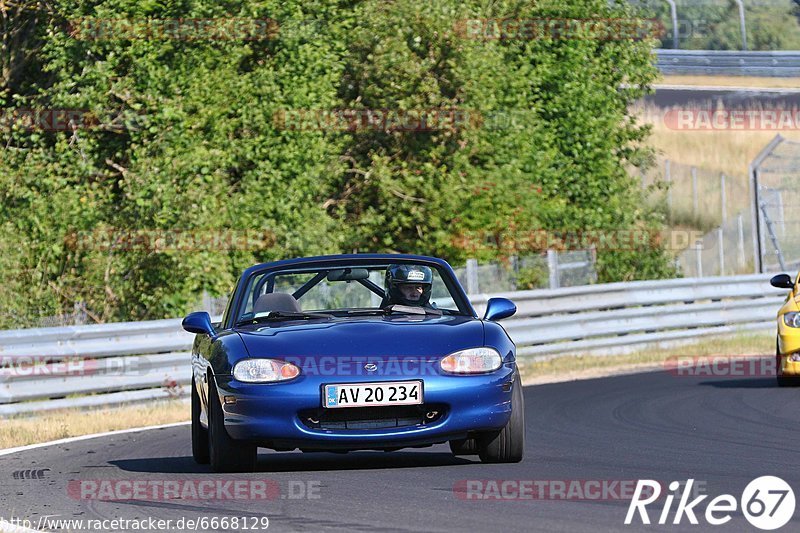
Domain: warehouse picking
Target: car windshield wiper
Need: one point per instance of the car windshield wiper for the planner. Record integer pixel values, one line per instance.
(282, 315)
(366, 312)
(396, 309)
(411, 310)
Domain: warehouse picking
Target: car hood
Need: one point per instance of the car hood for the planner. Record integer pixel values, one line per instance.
(373, 337)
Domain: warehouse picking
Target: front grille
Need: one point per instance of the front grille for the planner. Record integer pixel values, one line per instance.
(350, 418)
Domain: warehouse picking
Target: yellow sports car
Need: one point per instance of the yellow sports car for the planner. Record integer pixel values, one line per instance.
(787, 348)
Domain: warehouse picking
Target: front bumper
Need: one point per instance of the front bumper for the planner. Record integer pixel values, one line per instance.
(788, 344)
(787, 367)
(274, 415)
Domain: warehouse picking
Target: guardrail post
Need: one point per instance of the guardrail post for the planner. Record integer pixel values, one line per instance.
(552, 267)
(513, 266)
(673, 11)
(740, 228)
(79, 313)
(742, 24)
(207, 302)
(721, 251)
(698, 256)
(472, 276)
(668, 179)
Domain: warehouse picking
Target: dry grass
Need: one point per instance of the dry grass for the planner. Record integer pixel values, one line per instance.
(728, 151)
(574, 367)
(19, 431)
(731, 81)
(714, 153)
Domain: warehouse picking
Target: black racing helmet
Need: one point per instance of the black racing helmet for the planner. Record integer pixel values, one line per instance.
(397, 275)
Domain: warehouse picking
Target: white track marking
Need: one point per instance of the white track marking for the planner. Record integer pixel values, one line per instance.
(9, 451)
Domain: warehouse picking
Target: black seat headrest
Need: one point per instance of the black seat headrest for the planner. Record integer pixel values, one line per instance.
(276, 301)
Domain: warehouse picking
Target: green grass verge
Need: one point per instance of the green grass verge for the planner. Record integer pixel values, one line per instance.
(586, 366)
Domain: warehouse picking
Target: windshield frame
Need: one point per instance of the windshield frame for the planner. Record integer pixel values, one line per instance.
(238, 301)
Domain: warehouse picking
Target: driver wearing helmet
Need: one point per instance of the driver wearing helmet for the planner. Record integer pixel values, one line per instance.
(408, 285)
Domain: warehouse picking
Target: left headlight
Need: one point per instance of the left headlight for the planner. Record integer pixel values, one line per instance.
(792, 319)
(264, 370)
(472, 361)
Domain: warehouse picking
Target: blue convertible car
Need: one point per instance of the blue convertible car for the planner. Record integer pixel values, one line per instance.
(353, 352)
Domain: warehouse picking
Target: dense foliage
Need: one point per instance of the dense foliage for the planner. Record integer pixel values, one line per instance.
(197, 135)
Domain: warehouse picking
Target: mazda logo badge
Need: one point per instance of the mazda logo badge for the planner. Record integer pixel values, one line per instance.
(370, 367)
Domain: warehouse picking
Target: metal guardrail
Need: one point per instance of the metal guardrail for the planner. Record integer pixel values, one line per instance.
(728, 63)
(616, 317)
(119, 363)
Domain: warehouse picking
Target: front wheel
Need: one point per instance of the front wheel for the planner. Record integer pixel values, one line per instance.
(199, 433)
(226, 454)
(508, 444)
(464, 447)
(783, 381)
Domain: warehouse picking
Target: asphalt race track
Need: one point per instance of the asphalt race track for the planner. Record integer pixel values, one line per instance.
(722, 432)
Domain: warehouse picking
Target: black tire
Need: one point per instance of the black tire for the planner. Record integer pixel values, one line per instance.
(199, 433)
(508, 444)
(464, 447)
(226, 454)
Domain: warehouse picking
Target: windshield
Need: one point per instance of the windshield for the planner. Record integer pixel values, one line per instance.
(348, 290)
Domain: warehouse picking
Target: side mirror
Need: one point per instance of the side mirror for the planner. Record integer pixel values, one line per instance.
(499, 308)
(782, 281)
(199, 322)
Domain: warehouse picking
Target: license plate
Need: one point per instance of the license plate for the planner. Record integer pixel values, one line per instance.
(370, 394)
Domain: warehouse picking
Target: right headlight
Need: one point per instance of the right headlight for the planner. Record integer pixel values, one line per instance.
(264, 370)
(472, 361)
(792, 319)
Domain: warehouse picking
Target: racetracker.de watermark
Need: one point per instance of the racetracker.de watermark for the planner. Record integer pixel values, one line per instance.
(550, 489)
(163, 240)
(724, 366)
(709, 119)
(63, 119)
(556, 29)
(192, 489)
(401, 120)
(182, 29)
(331, 365)
(42, 366)
(222, 522)
(433, 119)
(568, 239)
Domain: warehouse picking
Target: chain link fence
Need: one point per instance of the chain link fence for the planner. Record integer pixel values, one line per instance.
(727, 208)
(702, 198)
(775, 180)
(721, 24)
(77, 317)
(552, 269)
(716, 204)
(723, 251)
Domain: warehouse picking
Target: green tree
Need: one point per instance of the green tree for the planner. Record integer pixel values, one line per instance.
(542, 139)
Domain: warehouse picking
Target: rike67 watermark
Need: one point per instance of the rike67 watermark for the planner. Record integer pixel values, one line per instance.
(767, 503)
